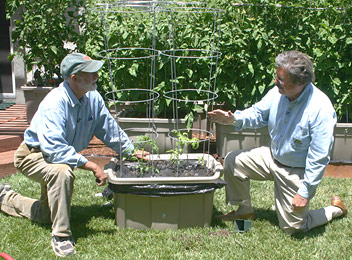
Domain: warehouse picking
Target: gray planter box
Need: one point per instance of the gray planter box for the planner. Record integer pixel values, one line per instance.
(33, 96)
(144, 126)
(227, 140)
(169, 211)
(342, 149)
(160, 213)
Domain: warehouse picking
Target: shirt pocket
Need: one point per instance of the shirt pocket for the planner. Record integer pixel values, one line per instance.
(300, 138)
(87, 124)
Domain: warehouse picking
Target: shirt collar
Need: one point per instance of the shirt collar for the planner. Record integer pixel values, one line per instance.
(304, 95)
(74, 101)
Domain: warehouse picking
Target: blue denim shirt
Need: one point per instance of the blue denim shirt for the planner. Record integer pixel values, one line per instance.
(301, 131)
(64, 125)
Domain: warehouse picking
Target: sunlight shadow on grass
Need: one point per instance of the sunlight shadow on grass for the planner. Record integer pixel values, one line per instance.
(82, 216)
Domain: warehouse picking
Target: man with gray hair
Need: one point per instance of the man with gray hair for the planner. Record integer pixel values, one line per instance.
(64, 124)
(300, 120)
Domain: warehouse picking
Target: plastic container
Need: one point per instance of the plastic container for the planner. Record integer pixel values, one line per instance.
(165, 202)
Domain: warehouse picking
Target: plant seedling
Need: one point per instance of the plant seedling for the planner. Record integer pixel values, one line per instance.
(142, 142)
(182, 140)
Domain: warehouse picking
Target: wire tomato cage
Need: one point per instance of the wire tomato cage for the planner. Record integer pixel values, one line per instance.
(151, 51)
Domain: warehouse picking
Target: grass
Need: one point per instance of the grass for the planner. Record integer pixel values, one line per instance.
(98, 237)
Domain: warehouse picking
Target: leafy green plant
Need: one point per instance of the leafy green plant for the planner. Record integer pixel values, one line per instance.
(201, 160)
(141, 144)
(251, 36)
(42, 30)
(132, 33)
(255, 32)
(183, 140)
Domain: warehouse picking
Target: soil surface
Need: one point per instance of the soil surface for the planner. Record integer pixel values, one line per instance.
(161, 168)
(102, 154)
(97, 148)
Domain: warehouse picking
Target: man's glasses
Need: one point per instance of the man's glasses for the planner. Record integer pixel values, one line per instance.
(279, 82)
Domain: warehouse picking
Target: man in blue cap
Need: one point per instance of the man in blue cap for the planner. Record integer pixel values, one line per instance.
(64, 124)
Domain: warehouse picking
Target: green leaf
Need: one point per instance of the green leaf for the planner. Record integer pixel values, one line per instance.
(54, 49)
(197, 107)
(317, 52)
(250, 67)
(332, 39)
(336, 81)
(189, 120)
(133, 69)
(168, 101)
(125, 35)
(189, 73)
(261, 88)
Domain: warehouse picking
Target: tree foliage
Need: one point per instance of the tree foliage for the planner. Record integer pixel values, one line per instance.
(252, 34)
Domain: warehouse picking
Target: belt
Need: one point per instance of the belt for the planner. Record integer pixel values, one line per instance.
(285, 166)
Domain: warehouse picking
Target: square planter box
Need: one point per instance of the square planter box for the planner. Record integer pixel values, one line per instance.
(144, 126)
(342, 149)
(170, 210)
(228, 139)
(160, 213)
(33, 96)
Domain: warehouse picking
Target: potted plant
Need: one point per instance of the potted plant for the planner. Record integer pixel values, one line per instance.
(42, 32)
(173, 190)
(151, 74)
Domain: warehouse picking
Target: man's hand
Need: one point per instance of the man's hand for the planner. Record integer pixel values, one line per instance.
(98, 172)
(299, 202)
(222, 117)
(141, 154)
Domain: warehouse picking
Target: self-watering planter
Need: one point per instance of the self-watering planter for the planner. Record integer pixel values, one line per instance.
(158, 201)
(182, 81)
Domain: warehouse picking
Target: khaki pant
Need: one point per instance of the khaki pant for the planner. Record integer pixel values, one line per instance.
(56, 182)
(258, 164)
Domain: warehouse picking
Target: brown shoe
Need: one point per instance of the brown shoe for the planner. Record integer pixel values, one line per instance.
(337, 202)
(231, 216)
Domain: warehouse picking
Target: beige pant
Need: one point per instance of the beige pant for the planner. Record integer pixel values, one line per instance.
(56, 182)
(258, 164)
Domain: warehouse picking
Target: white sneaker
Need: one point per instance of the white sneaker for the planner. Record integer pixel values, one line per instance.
(63, 246)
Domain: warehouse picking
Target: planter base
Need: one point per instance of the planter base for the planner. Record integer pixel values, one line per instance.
(165, 202)
(160, 213)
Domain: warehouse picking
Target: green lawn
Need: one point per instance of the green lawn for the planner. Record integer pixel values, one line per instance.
(98, 237)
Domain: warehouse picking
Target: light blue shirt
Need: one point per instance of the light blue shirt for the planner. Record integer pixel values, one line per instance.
(301, 131)
(64, 125)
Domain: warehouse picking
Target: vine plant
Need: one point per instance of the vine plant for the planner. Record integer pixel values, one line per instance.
(141, 144)
(182, 141)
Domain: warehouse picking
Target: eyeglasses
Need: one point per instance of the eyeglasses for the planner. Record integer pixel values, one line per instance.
(279, 81)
